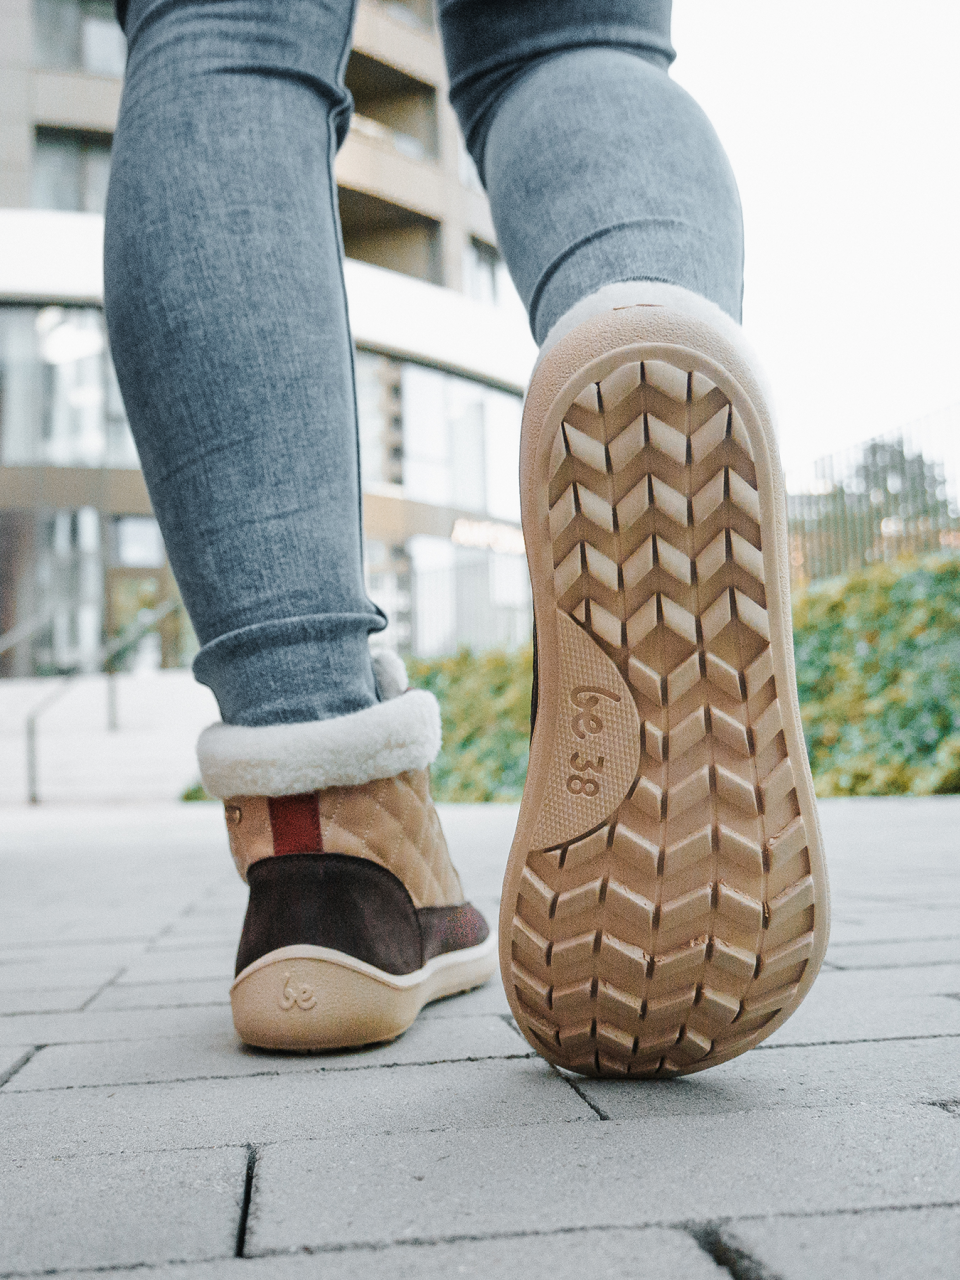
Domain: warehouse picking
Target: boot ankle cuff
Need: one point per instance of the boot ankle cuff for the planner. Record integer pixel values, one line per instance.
(290, 759)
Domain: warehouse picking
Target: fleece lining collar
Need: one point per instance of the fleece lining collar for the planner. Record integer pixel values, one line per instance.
(400, 733)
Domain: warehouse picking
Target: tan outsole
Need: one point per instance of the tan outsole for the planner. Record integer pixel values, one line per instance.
(312, 998)
(665, 905)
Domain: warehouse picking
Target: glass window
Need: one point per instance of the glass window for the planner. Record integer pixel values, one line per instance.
(481, 263)
(486, 278)
(67, 572)
(59, 400)
(461, 443)
(78, 35)
(466, 169)
(139, 544)
(70, 171)
(466, 596)
(434, 595)
(461, 449)
(379, 419)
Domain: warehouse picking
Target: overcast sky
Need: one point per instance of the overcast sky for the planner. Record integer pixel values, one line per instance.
(842, 121)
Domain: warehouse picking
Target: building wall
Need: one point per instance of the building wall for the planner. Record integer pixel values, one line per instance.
(410, 198)
(73, 508)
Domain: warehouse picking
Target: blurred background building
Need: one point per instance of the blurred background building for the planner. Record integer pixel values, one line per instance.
(443, 356)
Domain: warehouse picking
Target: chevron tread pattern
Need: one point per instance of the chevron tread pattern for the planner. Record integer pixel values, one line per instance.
(676, 931)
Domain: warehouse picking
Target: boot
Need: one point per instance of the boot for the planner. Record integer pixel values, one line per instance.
(356, 917)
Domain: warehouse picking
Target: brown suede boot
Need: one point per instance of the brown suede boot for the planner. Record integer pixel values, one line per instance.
(356, 917)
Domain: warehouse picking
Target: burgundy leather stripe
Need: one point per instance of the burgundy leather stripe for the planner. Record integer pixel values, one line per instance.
(295, 823)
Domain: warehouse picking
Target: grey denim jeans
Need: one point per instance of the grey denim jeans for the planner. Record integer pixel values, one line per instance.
(225, 299)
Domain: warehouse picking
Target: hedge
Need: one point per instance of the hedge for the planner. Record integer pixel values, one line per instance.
(485, 705)
(878, 670)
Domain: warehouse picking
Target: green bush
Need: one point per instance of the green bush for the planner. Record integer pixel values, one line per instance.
(485, 704)
(878, 670)
(195, 792)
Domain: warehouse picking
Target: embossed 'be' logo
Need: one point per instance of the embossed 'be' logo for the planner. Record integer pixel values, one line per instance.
(585, 722)
(301, 995)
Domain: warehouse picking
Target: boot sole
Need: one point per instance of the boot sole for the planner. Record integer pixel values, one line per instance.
(665, 903)
(312, 998)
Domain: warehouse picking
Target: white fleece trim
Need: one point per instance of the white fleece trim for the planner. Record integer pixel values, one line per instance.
(390, 673)
(290, 759)
(652, 293)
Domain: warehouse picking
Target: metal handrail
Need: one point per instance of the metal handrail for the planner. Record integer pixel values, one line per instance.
(109, 650)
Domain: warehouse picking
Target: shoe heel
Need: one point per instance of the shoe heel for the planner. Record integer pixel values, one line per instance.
(302, 1002)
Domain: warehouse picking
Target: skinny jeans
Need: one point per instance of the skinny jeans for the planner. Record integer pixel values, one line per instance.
(224, 287)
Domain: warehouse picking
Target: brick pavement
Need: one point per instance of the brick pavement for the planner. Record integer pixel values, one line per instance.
(138, 1136)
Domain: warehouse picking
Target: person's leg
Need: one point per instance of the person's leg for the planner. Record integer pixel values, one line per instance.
(598, 167)
(665, 903)
(228, 327)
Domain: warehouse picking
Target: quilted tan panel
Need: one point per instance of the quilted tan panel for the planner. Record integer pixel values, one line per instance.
(393, 821)
(248, 827)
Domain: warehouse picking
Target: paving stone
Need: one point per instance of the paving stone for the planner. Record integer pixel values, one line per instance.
(433, 1185)
(189, 962)
(219, 929)
(186, 832)
(162, 995)
(11, 1058)
(77, 1028)
(907, 1072)
(33, 975)
(504, 1146)
(213, 1051)
(482, 1002)
(52, 924)
(849, 927)
(874, 831)
(479, 838)
(893, 955)
(227, 902)
(609, 1254)
(326, 1106)
(61, 899)
(602, 1255)
(222, 940)
(47, 1000)
(151, 862)
(910, 1244)
(104, 950)
(121, 1210)
(875, 1004)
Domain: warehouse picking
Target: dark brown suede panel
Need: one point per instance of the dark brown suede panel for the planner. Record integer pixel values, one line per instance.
(331, 900)
(352, 905)
(446, 929)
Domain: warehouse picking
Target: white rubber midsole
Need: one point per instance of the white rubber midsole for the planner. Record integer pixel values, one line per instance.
(433, 974)
(309, 998)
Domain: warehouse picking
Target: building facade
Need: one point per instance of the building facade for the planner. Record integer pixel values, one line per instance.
(443, 354)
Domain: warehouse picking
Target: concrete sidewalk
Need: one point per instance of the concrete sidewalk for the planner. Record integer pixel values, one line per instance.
(137, 1133)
